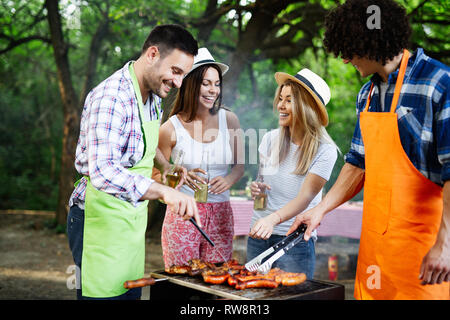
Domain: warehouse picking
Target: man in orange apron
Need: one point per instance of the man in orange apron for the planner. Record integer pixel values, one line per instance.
(400, 154)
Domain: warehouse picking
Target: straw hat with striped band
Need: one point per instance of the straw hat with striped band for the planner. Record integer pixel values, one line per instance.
(314, 84)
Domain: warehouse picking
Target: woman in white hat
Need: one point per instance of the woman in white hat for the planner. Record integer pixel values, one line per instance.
(199, 125)
(299, 157)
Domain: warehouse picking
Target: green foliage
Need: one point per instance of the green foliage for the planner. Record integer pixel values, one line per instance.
(30, 134)
(31, 122)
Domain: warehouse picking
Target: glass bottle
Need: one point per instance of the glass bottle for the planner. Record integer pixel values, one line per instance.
(172, 177)
(201, 195)
(260, 202)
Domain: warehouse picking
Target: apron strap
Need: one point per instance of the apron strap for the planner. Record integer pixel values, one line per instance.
(369, 98)
(137, 90)
(398, 83)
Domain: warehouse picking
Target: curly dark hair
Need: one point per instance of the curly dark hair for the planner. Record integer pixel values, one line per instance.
(347, 33)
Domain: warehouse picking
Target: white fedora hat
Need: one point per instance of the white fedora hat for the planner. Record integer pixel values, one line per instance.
(314, 84)
(204, 57)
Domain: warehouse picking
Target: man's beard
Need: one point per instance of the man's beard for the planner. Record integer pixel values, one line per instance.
(155, 84)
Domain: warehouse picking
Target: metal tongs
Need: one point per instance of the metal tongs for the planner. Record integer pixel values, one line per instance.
(207, 238)
(275, 252)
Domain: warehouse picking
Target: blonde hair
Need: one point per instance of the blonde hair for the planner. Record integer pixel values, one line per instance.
(306, 127)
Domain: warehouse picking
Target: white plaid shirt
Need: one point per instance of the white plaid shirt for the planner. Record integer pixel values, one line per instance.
(111, 140)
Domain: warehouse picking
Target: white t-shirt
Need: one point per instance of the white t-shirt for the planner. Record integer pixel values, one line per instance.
(383, 89)
(284, 184)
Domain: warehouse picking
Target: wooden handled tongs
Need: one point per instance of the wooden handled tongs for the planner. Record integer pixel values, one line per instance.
(130, 284)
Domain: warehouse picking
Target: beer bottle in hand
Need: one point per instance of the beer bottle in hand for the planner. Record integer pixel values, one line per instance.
(201, 195)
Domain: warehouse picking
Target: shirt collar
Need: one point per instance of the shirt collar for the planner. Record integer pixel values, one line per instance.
(126, 72)
(414, 59)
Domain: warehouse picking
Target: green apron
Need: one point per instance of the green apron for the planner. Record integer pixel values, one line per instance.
(114, 230)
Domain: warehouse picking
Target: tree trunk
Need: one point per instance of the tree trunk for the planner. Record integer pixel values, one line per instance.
(71, 105)
(205, 30)
(91, 65)
(70, 111)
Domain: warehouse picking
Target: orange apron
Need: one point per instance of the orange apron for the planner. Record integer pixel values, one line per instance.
(401, 216)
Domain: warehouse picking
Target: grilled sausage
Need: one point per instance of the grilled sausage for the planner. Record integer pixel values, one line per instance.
(244, 278)
(232, 281)
(256, 283)
(215, 279)
(293, 280)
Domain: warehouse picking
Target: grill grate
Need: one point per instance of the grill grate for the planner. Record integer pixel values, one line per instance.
(310, 289)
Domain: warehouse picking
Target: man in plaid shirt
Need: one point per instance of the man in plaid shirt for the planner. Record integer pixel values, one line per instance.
(400, 154)
(116, 151)
(117, 143)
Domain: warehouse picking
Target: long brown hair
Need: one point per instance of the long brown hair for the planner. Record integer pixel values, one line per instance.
(306, 126)
(186, 100)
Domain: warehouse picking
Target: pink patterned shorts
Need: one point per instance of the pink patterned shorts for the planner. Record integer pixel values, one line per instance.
(181, 241)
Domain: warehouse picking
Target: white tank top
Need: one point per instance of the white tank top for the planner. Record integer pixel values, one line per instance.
(220, 155)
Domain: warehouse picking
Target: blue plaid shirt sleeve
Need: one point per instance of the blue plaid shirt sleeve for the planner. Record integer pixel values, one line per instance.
(423, 116)
(442, 96)
(355, 155)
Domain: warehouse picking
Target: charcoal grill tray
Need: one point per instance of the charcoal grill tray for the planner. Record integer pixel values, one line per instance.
(310, 289)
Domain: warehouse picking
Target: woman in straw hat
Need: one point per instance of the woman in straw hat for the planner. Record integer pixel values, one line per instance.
(199, 125)
(298, 159)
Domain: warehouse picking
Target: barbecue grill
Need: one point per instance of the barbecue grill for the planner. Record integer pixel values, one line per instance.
(184, 287)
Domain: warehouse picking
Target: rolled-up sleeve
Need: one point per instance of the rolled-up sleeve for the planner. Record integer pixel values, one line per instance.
(355, 155)
(442, 95)
(324, 161)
